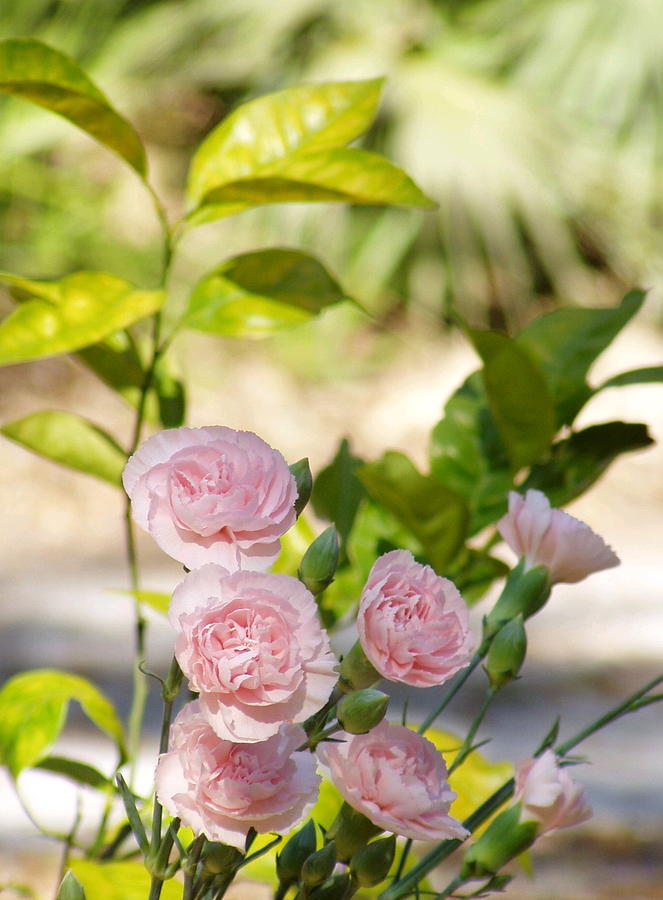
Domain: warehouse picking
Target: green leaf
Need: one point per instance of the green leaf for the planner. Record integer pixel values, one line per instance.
(565, 343)
(338, 492)
(155, 599)
(436, 516)
(68, 439)
(135, 821)
(171, 395)
(70, 888)
(468, 455)
(646, 375)
(474, 571)
(267, 131)
(116, 362)
(255, 294)
(33, 708)
(301, 472)
(66, 315)
(576, 462)
(120, 881)
(77, 771)
(42, 75)
(518, 397)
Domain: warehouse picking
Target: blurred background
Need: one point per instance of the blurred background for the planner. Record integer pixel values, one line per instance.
(537, 125)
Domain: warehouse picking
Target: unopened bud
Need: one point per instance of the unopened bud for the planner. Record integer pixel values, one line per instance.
(319, 865)
(370, 865)
(319, 563)
(362, 710)
(507, 652)
(301, 472)
(70, 888)
(505, 837)
(219, 858)
(290, 860)
(350, 831)
(337, 889)
(356, 671)
(525, 592)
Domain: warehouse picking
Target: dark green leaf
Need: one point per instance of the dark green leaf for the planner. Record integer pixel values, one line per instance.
(116, 362)
(436, 516)
(646, 375)
(171, 395)
(301, 471)
(77, 771)
(518, 397)
(577, 462)
(474, 571)
(66, 315)
(566, 342)
(42, 75)
(255, 294)
(70, 888)
(33, 708)
(337, 492)
(67, 439)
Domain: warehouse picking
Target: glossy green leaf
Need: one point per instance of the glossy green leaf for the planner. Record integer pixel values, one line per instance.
(337, 491)
(468, 455)
(565, 343)
(43, 75)
(518, 396)
(255, 294)
(66, 315)
(33, 708)
(156, 599)
(76, 771)
(576, 462)
(646, 375)
(120, 881)
(268, 130)
(436, 516)
(70, 888)
(68, 439)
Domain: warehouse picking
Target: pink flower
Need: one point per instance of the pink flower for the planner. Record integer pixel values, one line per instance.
(397, 779)
(413, 625)
(212, 495)
(554, 539)
(222, 789)
(548, 795)
(252, 645)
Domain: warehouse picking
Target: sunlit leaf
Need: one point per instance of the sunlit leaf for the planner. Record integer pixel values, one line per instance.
(68, 439)
(257, 293)
(120, 881)
(33, 708)
(70, 888)
(66, 315)
(45, 76)
(156, 599)
(294, 544)
(81, 773)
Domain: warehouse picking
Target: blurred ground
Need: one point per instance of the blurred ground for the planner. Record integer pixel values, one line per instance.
(62, 550)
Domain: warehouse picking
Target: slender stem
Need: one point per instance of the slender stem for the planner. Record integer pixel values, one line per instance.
(451, 692)
(466, 747)
(69, 842)
(450, 888)
(401, 863)
(191, 866)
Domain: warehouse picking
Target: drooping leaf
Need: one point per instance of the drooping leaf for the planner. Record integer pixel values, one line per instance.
(518, 396)
(579, 460)
(565, 343)
(646, 375)
(70, 888)
(120, 881)
(337, 491)
(270, 129)
(116, 362)
(437, 516)
(81, 773)
(255, 294)
(68, 439)
(170, 393)
(33, 708)
(45, 76)
(61, 316)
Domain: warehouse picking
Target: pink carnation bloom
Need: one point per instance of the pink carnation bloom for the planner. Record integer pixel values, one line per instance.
(396, 778)
(548, 794)
(548, 537)
(413, 625)
(221, 789)
(212, 495)
(252, 645)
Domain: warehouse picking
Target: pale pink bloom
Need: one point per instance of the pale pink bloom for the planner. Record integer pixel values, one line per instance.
(221, 789)
(396, 778)
(212, 495)
(252, 645)
(413, 624)
(548, 537)
(548, 794)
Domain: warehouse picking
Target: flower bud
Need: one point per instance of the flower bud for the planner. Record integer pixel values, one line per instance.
(356, 671)
(362, 710)
(525, 592)
(319, 865)
(336, 889)
(318, 565)
(219, 858)
(290, 860)
(70, 888)
(350, 831)
(370, 865)
(505, 837)
(301, 472)
(507, 652)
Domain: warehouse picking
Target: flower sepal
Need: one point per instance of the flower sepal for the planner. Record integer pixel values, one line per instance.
(505, 838)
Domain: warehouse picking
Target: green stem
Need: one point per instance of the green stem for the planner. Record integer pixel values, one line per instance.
(190, 867)
(466, 747)
(69, 842)
(450, 888)
(457, 684)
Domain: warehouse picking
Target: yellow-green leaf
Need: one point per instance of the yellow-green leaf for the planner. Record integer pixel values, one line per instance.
(155, 599)
(33, 708)
(43, 75)
(68, 439)
(65, 315)
(120, 881)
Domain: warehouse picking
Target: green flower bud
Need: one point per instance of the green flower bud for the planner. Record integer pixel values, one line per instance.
(350, 831)
(362, 710)
(505, 837)
(304, 480)
(319, 563)
(507, 652)
(290, 860)
(525, 592)
(335, 890)
(356, 671)
(319, 866)
(219, 859)
(70, 888)
(370, 865)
